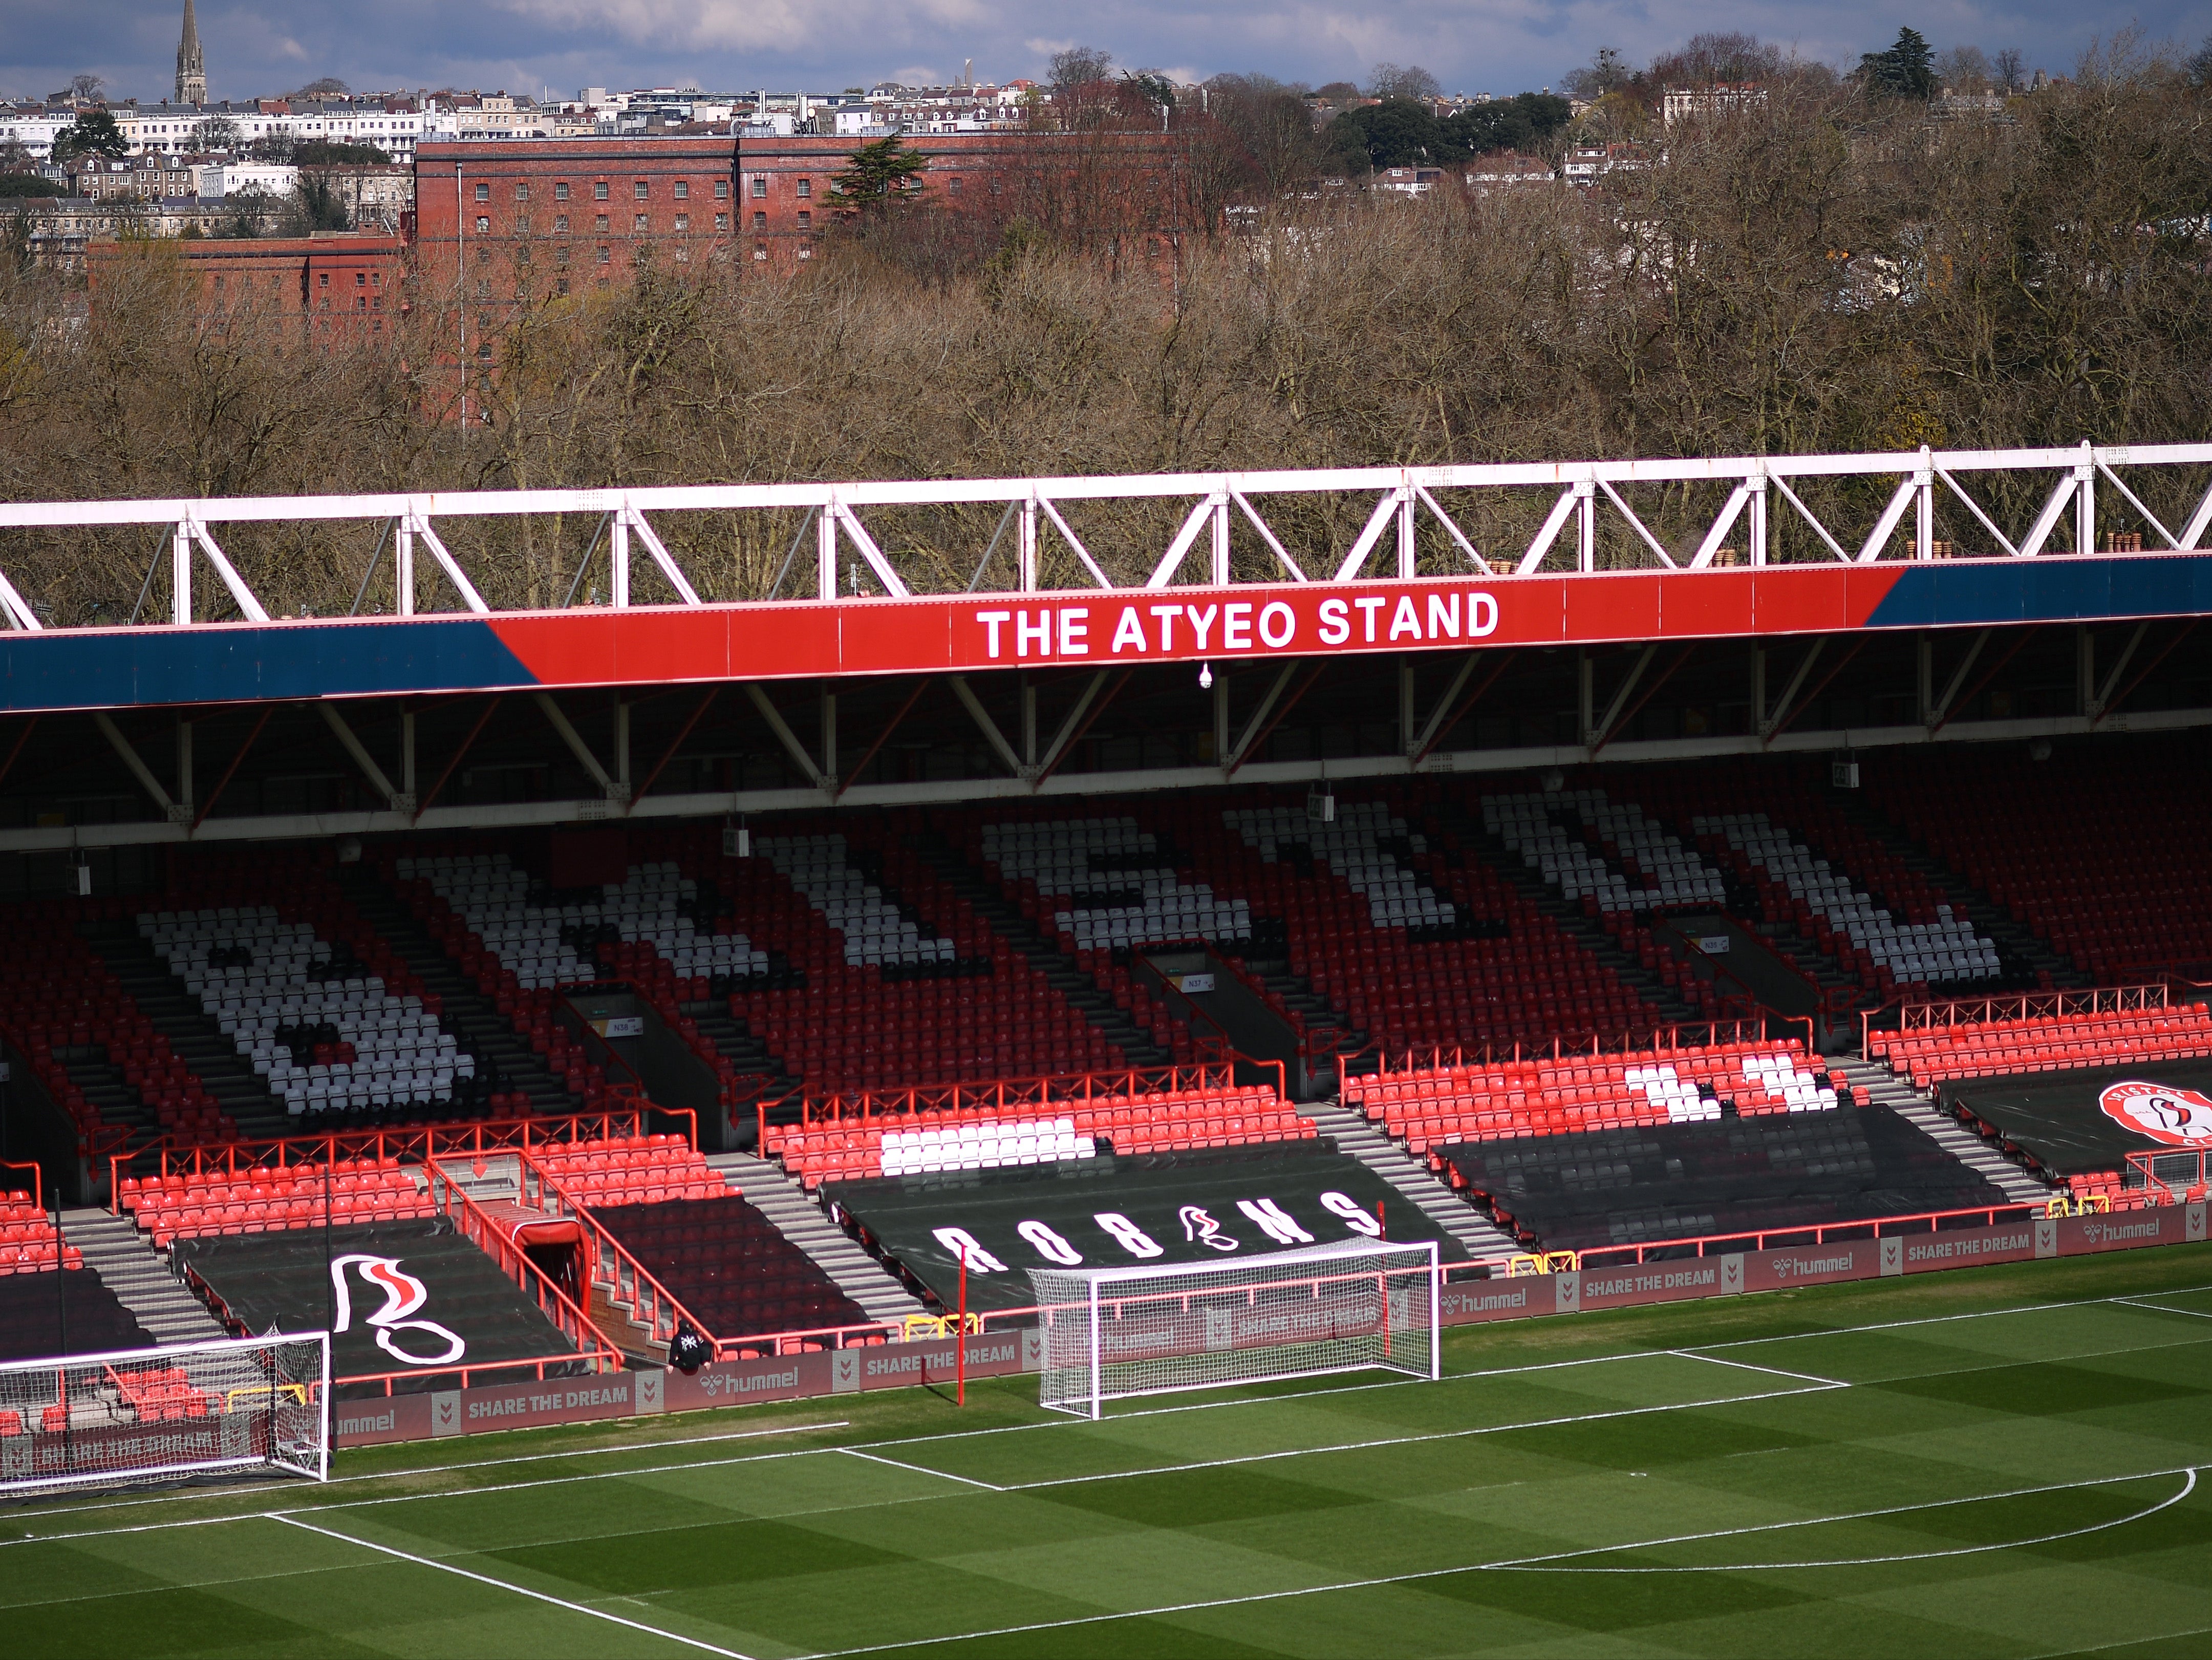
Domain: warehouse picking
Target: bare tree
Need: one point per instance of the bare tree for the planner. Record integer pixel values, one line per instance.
(2009, 68)
(1965, 69)
(1402, 81)
(86, 88)
(1080, 66)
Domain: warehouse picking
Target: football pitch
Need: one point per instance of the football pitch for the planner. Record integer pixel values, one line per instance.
(2013, 1461)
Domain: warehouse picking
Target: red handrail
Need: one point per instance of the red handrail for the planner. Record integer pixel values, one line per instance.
(1936, 1013)
(413, 1143)
(640, 1283)
(496, 1242)
(537, 1363)
(38, 1179)
(1073, 1086)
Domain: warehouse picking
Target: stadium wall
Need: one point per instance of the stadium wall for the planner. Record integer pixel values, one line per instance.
(998, 1355)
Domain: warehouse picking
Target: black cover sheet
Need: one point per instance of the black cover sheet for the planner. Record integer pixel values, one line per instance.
(726, 1262)
(31, 1325)
(1635, 1185)
(2058, 1119)
(410, 1297)
(1184, 1206)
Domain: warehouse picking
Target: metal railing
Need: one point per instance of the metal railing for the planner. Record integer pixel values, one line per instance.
(1404, 503)
(539, 1188)
(1658, 1040)
(1940, 1014)
(481, 1230)
(1074, 1088)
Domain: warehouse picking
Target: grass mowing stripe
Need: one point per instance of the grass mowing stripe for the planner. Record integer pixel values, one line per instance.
(519, 1590)
(636, 1449)
(918, 1469)
(2188, 1487)
(1777, 1372)
(1943, 1319)
(1538, 1563)
(1416, 1440)
(2161, 1308)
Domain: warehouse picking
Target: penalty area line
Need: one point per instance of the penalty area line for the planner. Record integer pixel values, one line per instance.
(918, 1469)
(1539, 1563)
(518, 1590)
(1777, 1372)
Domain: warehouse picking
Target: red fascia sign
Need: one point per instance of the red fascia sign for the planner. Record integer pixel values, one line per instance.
(1129, 627)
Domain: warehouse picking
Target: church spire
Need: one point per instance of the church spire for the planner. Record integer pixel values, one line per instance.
(191, 71)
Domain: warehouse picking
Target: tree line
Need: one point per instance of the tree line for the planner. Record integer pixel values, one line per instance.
(1830, 270)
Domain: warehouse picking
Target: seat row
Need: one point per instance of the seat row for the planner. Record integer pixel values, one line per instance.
(1434, 1107)
(1170, 1121)
(182, 1205)
(2059, 1043)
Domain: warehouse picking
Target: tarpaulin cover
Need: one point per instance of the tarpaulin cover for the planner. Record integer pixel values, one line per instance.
(1634, 1185)
(1164, 1207)
(2057, 1116)
(31, 1317)
(398, 1296)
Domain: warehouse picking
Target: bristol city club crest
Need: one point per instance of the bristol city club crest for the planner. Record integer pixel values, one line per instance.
(2179, 1118)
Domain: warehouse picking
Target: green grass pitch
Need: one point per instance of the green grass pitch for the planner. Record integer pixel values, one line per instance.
(2013, 1461)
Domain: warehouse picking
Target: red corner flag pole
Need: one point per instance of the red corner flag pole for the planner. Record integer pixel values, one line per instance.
(960, 1350)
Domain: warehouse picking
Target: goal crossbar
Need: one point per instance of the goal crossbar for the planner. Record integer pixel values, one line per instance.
(123, 1416)
(1112, 1333)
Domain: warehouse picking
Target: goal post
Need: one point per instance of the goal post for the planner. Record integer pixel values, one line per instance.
(1113, 1333)
(162, 1414)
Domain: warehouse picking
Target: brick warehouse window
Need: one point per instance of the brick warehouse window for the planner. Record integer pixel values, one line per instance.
(760, 250)
(522, 190)
(684, 190)
(599, 223)
(759, 221)
(599, 190)
(606, 257)
(483, 192)
(683, 222)
(483, 223)
(721, 222)
(805, 219)
(721, 190)
(561, 191)
(806, 188)
(644, 223)
(643, 190)
(560, 224)
(760, 186)
(953, 184)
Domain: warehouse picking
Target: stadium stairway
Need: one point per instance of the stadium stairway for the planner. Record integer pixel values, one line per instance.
(1322, 1017)
(2017, 942)
(1353, 1135)
(800, 1219)
(1452, 816)
(1918, 1107)
(502, 1053)
(735, 1042)
(91, 1069)
(193, 1035)
(114, 1249)
(1080, 989)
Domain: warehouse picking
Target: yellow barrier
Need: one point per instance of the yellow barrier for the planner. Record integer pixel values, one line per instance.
(297, 1391)
(1549, 1261)
(2088, 1204)
(938, 1325)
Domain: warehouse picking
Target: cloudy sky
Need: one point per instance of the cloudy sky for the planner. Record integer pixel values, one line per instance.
(260, 47)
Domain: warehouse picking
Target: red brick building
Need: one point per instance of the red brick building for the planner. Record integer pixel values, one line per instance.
(1129, 194)
(499, 225)
(341, 284)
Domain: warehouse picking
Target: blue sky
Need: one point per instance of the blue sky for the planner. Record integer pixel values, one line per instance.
(255, 47)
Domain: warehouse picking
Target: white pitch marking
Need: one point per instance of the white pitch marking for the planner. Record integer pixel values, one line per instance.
(1519, 1563)
(1417, 1440)
(918, 1469)
(2161, 1308)
(519, 1590)
(1941, 1319)
(634, 1447)
(1746, 1366)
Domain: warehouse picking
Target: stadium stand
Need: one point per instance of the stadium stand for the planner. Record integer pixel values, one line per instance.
(1194, 1205)
(2043, 1043)
(1408, 944)
(221, 1203)
(469, 1311)
(631, 1169)
(1431, 1107)
(26, 1237)
(1638, 1184)
(2019, 829)
(984, 1136)
(727, 1263)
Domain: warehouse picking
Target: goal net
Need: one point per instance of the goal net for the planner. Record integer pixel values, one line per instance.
(1110, 1333)
(161, 1414)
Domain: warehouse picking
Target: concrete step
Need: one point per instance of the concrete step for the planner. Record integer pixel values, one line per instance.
(141, 1281)
(1918, 1107)
(1353, 1135)
(801, 1220)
